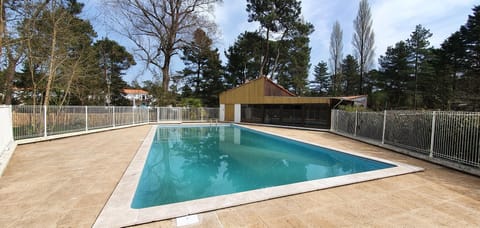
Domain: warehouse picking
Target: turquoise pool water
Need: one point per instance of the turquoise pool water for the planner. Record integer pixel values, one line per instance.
(186, 163)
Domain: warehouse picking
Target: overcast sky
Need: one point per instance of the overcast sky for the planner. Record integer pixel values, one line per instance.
(393, 20)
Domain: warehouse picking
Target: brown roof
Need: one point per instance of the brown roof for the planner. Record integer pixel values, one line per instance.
(279, 86)
(134, 91)
(267, 80)
(352, 97)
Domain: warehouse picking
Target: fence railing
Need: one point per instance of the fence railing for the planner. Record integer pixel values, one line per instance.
(29, 121)
(449, 136)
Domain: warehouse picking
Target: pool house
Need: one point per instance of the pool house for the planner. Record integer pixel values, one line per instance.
(263, 101)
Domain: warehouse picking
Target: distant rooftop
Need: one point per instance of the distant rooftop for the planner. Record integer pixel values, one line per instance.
(135, 91)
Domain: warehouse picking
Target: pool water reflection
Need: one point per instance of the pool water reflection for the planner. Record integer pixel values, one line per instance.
(192, 162)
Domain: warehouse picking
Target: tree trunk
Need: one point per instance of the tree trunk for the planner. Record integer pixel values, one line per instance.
(166, 74)
(265, 55)
(70, 82)
(275, 65)
(51, 69)
(32, 72)
(2, 24)
(9, 75)
(362, 66)
(415, 74)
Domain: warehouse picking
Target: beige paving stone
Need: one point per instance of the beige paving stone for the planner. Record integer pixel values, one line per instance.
(209, 219)
(407, 200)
(231, 217)
(49, 183)
(259, 224)
(78, 218)
(325, 197)
(66, 183)
(326, 217)
(466, 215)
(315, 218)
(269, 210)
(405, 220)
(161, 224)
(285, 222)
(248, 215)
(437, 216)
(297, 203)
(436, 192)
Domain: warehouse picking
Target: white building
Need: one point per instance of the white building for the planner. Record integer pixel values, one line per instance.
(137, 96)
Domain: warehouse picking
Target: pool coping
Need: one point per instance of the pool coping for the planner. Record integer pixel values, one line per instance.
(118, 213)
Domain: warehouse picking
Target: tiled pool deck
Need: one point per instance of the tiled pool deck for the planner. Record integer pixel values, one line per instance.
(67, 182)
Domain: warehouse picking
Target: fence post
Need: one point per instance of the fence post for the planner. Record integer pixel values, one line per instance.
(148, 114)
(201, 114)
(113, 112)
(86, 118)
(180, 114)
(332, 116)
(44, 121)
(384, 124)
(158, 114)
(356, 122)
(133, 115)
(432, 139)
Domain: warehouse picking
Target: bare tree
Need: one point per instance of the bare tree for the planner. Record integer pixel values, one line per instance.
(363, 40)
(3, 22)
(60, 35)
(336, 55)
(160, 28)
(14, 15)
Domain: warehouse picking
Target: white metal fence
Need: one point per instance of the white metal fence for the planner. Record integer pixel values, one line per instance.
(42, 121)
(6, 137)
(450, 136)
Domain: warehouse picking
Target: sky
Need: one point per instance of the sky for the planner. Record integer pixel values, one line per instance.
(393, 20)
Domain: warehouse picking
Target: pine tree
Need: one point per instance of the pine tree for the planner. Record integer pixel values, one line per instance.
(203, 72)
(350, 73)
(395, 70)
(471, 37)
(460, 62)
(113, 60)
(244, 59)
(418, 44)
(274, 16)
(296, 60)
(321, 82)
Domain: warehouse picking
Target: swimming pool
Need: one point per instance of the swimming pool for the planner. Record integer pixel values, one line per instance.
(193, 162)
(118, 211)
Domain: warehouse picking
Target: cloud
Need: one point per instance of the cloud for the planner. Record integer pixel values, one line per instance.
(323, 14)
(395, 20)
(232, 20)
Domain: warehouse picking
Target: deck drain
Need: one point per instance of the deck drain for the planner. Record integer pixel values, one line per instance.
(187, 220)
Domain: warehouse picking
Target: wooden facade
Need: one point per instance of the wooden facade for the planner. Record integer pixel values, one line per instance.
(263, 91)
(263, 101)
(229, 112)
(263, 94)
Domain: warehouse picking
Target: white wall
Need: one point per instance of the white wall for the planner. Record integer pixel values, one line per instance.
(6, 136)
(222, 112)
(237, 113)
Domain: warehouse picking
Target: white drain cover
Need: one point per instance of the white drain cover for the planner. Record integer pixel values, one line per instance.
(187, 220)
